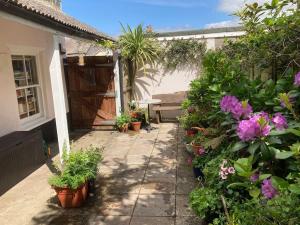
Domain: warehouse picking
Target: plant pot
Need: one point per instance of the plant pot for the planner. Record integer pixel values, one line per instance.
(85, 191)
(69, 198)
(124, 129)
(198, 172)
(196, 148)
(136, 126)
(191, 133)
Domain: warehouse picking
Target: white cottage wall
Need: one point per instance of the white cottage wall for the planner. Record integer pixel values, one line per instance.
(20, 38)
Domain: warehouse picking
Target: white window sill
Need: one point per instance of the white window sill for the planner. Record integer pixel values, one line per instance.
(33, 124)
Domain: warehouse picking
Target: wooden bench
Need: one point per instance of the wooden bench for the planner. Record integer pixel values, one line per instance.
(169, 102)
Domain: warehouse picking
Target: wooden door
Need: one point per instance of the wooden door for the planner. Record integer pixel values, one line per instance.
(91, 92)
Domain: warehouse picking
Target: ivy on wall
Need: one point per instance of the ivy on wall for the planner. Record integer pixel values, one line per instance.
(181, 53)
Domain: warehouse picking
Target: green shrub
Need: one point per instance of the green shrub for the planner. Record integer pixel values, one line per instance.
(78, 167)
(123, 120)
(205, 202)
(283, 209)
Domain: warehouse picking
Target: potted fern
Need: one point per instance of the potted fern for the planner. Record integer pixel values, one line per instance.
(71, 183)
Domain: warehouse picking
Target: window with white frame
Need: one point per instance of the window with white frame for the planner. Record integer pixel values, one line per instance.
(27, 85)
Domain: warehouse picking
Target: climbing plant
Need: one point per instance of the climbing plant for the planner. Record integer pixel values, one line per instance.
(180, 53)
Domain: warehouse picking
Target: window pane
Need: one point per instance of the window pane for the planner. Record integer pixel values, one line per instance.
(32, 100)
(19, 71)
(31, 70)
(22, 103)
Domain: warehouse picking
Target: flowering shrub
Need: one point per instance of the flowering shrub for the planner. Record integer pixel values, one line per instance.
(259, 182)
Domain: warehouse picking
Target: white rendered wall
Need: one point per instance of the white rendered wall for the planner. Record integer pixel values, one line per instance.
(20, 38)
(157, 81)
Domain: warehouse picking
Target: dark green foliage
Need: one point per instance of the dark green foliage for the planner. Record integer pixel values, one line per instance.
(205, 202)
(284, 209)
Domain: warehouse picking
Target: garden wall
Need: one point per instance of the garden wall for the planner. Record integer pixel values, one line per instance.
(158, 81)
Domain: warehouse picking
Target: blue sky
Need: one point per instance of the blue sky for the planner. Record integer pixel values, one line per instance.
(163, 15)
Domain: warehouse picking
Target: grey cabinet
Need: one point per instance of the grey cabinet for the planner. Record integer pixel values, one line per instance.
(21, 153)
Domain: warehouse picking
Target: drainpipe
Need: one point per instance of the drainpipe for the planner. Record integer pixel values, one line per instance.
(121, 76)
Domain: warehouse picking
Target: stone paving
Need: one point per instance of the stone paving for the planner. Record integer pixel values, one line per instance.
(144, 180)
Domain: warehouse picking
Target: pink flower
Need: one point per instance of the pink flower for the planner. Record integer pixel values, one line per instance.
(201, 151)
(238, 109)
(231, 170)
(224, 177)
(254, 177)
(225, 171)
(228, 102)
(280, 121)
(297, 80)
(268, 190)
(255, 127)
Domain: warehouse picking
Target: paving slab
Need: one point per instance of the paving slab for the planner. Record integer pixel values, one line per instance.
(109, 220)
(182, 206)
(152, 221)
(155, 205)
(189, 221)
(143, 180)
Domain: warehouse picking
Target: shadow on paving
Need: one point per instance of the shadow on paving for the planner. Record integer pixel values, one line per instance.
(127, 193)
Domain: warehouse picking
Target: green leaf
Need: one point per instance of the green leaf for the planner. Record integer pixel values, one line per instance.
(264, 176)
(254, 192)
(238, 184)
(266, 153)
(283, 155)
(238, 146)
(294, 131)
(274, 140)
(253, 147)
(278, 132)
(243, 167)
(295, 188)
(295, 148)
(279, 183)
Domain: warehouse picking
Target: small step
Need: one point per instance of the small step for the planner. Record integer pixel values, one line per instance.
(106, 123)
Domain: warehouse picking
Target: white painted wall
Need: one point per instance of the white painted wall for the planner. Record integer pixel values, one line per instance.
(158, 82)
(18, 38)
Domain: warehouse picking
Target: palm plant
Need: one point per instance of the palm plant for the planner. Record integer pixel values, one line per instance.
(139, 47)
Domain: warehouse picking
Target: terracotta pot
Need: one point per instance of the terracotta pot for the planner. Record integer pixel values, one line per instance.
(136, 126)
(196, 148)
(69, 198)
(191, 133)
(85, 191)
(124, 129)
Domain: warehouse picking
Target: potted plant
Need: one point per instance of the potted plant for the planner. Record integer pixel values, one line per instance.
(136, 124)
(188, 121)
(69, 189)
(94, 156)
(197, 144)
(122, 123)
(71, 182)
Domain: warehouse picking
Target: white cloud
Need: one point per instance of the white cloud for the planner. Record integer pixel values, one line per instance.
(231, 6)
(226, 23)
(172, 3)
